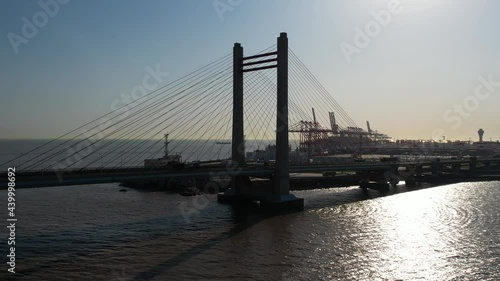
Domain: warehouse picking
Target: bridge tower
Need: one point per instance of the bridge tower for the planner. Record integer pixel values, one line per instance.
(277, 194)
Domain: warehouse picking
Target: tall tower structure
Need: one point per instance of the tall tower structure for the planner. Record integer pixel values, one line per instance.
(278, 194)
(480, 133)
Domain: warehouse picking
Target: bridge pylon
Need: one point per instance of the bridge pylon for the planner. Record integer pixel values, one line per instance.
(276, 194)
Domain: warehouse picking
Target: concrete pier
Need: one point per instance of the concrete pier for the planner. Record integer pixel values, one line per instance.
(436, 168)
(472, 164)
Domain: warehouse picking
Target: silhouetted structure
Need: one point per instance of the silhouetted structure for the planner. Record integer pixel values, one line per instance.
(480, 133)
(278, 195)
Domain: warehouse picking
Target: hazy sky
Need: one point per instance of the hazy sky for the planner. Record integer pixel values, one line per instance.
(413, 76)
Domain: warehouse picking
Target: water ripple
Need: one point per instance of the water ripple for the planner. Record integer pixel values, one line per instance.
(441, 233)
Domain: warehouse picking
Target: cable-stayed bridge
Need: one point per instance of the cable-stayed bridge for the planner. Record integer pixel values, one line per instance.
(263, 115)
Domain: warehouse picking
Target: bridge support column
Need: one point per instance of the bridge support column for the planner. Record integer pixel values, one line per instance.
(394, 177)
(282, 176)
(409, 176)
(237, 144)
(238, 183)
(281, 196)
(473, 164)
(455, 168)
(419, 169)
(436, 169)
(277, 196)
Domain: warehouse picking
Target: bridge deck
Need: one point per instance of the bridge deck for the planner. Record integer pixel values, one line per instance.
(109, 175)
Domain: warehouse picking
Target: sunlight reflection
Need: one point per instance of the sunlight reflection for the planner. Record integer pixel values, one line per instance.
(417, 233)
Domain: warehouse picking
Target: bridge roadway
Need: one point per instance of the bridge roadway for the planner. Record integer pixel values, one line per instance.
(109, 175)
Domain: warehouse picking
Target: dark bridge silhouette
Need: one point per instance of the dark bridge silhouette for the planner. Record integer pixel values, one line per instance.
(198, 111)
